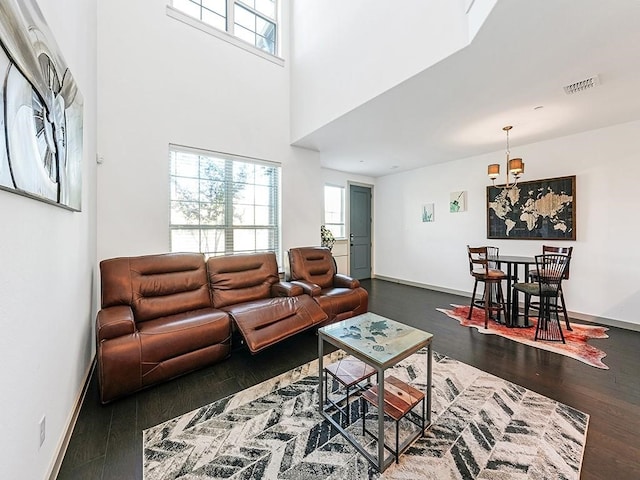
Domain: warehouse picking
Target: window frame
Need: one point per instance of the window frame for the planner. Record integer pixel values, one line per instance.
(343, 209)
(229, 35)
(228, 226)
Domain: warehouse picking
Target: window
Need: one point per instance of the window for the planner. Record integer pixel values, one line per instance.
(254, 21)
(222, 204)
(334, 210)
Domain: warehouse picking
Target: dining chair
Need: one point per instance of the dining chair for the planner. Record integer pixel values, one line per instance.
(532, 275)
(484, 270)
(550, 271)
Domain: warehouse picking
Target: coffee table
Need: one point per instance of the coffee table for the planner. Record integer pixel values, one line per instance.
(381, 343)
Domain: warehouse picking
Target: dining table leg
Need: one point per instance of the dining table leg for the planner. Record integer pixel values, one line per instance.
(510, 320)
(515, 306)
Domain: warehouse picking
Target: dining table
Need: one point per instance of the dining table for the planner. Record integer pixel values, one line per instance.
(515, 264)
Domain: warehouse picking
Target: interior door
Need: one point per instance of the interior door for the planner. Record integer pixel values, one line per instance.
(360, 232)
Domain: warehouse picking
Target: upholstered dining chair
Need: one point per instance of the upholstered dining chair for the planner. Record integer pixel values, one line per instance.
(550, 271)
(484, 270)
(533, 273)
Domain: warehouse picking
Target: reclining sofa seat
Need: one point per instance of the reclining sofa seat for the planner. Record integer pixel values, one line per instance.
(157, 322)
(264, 309)
(340, 296)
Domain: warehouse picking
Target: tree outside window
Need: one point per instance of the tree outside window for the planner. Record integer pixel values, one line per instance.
(223, 205)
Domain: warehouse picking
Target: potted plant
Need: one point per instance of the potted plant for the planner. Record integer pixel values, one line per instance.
(326, 237)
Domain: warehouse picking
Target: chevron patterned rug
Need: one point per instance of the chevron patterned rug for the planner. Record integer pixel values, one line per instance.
(483, 427)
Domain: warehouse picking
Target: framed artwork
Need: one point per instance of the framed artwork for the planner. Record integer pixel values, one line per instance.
(535, 210)
(427, 212)
(41, 108)
(458, 202)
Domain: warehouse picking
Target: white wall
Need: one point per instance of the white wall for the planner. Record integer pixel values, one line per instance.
(346, 53)
(162, 81)
(47, 282)
(605, 278)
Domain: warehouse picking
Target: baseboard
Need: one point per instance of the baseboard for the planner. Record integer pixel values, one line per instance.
(71, 423)
(426, 286)
(583, 317)
(609, 322)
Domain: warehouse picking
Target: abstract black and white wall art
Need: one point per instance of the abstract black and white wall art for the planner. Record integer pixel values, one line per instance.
(41, 116)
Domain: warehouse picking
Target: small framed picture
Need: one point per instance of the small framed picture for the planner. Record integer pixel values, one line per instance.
(458, 202)
(427, 212)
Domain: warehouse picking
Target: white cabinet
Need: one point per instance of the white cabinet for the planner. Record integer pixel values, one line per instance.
(340, 252)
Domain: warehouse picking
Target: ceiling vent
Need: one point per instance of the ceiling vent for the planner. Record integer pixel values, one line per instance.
(582, 85)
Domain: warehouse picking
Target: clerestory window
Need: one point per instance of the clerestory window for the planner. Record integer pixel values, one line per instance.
(222, 204)
(254, 21)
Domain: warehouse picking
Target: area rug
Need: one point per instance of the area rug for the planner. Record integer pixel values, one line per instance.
(576, 345)
(483, 427)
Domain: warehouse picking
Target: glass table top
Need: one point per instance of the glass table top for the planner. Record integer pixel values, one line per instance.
(380, 339)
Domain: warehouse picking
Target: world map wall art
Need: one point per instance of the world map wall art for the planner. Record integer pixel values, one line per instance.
(535, 210)
(40, 111)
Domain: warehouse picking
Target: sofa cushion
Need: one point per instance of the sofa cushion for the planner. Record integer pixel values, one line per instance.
(267, 321)
(241, 278)
(175, 335)
(156, 285)
(312, 264)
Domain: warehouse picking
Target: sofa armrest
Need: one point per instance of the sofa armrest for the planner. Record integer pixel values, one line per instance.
(309, 288)
(113, 322)
(343, 281)
(286, 289)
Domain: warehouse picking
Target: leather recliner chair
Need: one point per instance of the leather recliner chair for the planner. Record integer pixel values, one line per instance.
(340, 296)
(264, 309)
(156, 322)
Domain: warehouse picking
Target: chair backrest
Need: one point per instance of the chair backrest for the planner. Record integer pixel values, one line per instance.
(563, 250)
(156, 285)
(478, 260)
(241, 278)
(493, 252)
(551, 268)
(312, 264)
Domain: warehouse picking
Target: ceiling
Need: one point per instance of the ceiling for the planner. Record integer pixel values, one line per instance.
(522, 57)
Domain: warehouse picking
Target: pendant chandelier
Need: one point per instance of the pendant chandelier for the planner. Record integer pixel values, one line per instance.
(515, 166)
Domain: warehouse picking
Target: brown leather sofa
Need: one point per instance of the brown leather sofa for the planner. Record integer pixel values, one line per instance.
(165, 315)
(156, 322)
(340, 296)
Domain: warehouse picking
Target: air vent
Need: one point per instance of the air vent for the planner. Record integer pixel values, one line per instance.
(582, 85)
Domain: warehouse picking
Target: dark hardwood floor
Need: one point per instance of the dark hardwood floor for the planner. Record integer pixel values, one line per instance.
(107, 440)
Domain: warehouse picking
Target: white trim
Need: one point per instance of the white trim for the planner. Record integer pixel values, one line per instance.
(206, 28)
(230, 156)
(423, 285)
(63, 444)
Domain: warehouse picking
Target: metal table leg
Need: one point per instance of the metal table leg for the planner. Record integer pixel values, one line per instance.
(320, 369)
(380, 419)
(428, 392)
(509, 294)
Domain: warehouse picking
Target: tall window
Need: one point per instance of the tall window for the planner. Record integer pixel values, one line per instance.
(254, 21)
(221, 204)
(334, 210)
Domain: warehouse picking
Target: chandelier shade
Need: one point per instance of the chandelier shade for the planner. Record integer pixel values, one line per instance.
(515, 166)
